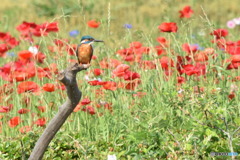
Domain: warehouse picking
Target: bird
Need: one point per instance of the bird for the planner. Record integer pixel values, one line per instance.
(84, 51)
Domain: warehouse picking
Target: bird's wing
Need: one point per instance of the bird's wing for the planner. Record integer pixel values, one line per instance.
(77, 52)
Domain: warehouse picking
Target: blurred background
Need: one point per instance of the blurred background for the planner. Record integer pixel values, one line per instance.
(141, 14)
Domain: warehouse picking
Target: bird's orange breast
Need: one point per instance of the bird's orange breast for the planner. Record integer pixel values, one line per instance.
(84, 53)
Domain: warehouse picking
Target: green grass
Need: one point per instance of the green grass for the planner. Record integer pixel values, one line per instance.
(162, 124)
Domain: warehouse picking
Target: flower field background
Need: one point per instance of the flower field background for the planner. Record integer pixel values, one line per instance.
(164, 85)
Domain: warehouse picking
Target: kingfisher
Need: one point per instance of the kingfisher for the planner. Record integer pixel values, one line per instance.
(84, 50)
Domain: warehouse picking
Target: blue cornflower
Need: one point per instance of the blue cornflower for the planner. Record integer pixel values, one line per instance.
(128, 26)
(74, 33)
(11, 54)
(198, 46)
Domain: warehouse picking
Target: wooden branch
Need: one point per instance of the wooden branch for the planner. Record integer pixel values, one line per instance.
(68, 78)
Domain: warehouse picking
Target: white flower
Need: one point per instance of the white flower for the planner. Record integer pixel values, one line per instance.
(33, 49)
(236, 21)
(112, 157)
(86, 77)
(180, 91)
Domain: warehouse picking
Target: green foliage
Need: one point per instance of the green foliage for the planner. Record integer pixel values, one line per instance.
(52, 8)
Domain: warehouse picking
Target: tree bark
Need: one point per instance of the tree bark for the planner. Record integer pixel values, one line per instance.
(68, 78)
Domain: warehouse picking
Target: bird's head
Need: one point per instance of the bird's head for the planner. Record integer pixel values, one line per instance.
(89, 39)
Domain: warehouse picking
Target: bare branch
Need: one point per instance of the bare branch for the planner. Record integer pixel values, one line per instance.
(68, 78)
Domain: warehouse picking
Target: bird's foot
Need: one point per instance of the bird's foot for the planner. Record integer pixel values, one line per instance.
(86, 65)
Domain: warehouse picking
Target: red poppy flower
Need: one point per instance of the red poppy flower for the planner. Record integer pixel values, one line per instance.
(147, 65)
(181, 80)
(85, 101)
(132, 85)
(129, 58)
(49, 27)
(27, 86)
(19, 76)
(166, 62)
(26, 55)
(93, 83)
(120, 71)
(39, 32)
(25, 26)
(71, 49)
(198, 69)
(131, 75)
(125, 52)
(93, 24)
(94, 57)
(230, 47)
(189, 48)
(97, 72)
(60, 42)
(90, 110)
(186, 12)
(189, 69)
(109, 85)
(235, 62)
(48, 87)
(101, 82)
(43, 72)
(168, 27)
(160, 50)
(108, 106)
(4, 109)
(231, 95)
(9, 42)
(12, 42)
(233, 66)
(133, 58)
(39, 57)
(40, 122)
(25, 129)
(3, 48)
(104, 64)
(237, 78)
(218, 33)
(235, 58)
(4, 36)
(200, 57)
(23, 111)
(136, 45)
(109, 63)
(162, 41)
(41, 108)
(23, 74)
(14, 121)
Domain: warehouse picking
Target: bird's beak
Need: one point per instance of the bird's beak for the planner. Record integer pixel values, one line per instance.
(95, 40)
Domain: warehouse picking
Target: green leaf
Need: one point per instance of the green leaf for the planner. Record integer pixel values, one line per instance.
(188, 147)
(211, 133)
